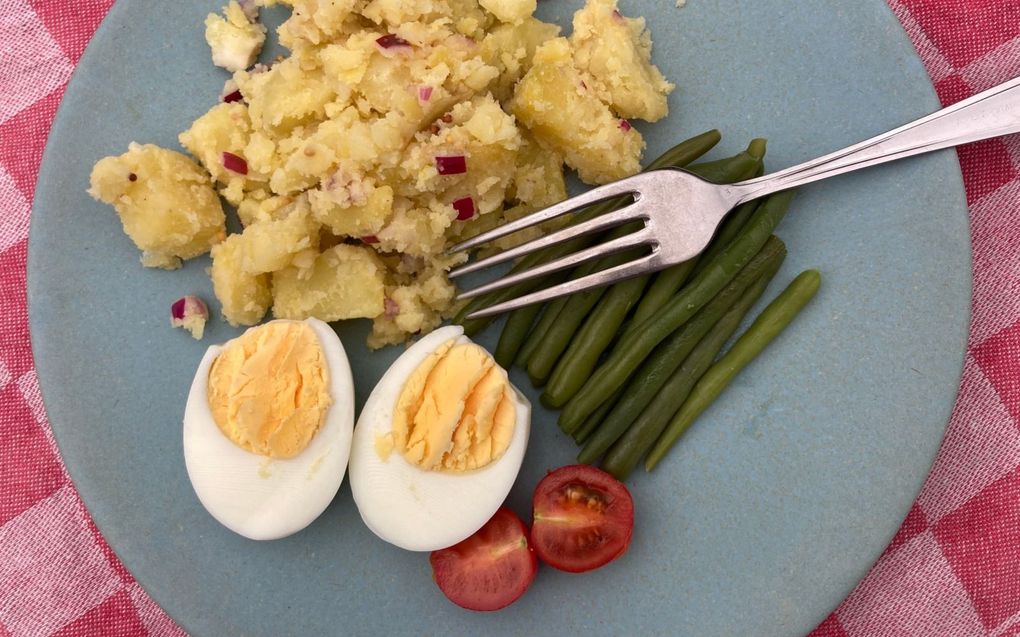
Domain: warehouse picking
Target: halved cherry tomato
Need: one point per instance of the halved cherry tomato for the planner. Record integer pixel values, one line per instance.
(490, 569)
(584, 518)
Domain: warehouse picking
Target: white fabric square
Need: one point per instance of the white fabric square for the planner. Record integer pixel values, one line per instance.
(14, 211)
(45, 585)
(33, 63)
(995, 235)
(981, 445)
(910, 592)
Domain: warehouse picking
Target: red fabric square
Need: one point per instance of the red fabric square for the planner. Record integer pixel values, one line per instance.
(981, 542)
(829, 628)
(913, 525)
(997, 356)
(116, 617)
(14, 343)
(964, 30)
(989, 166)
(72, 23)
(22, 139)
(29, 467)
(953, 89)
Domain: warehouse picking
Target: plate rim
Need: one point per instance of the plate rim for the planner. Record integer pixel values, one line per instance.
(45, 179)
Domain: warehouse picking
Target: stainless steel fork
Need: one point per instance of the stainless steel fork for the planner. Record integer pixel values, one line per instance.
(680, 211)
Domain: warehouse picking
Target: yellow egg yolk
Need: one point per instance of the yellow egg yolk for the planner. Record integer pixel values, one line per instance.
(269, 389)
(455, 412)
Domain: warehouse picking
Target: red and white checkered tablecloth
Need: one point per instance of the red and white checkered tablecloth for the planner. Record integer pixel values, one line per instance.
(953, 569)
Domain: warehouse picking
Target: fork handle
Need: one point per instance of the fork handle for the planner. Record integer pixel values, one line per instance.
(991, 113)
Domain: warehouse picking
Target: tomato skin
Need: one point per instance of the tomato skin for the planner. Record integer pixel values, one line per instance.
(489, 570)
(583, 518)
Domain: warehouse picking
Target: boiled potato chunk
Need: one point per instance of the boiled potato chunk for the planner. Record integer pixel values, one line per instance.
(343, 282)
(165, 201)
(235, 40)
(244, 297)
(350, 211)
(224, 129)
(268, 245)
(617, 52)
(286, 95)
(510, 48)
(555, 103)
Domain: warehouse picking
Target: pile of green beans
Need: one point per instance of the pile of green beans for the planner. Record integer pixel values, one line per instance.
(633, 365)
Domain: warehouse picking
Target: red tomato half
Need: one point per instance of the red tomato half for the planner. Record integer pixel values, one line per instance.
(490, 569)
(584, 518)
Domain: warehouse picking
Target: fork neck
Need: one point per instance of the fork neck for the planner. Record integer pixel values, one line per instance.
(990, 113)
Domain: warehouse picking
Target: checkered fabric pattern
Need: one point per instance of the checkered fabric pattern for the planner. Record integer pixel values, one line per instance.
(952, 570)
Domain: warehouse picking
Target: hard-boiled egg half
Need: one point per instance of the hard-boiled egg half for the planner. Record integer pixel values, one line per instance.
(268, 425)
(438, 444)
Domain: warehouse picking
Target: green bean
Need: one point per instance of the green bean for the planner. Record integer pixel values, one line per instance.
(763, 331)
(672, 279)
(631, 351)
(626, 452)
(679, 156)
(648, 381)
(550, 312)
(593, 421)
(579, 306)
(518, 328)
(587, 346)
(514, 333)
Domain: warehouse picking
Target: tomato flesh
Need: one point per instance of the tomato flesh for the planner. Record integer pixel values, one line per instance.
(583, 518)
(489, 570)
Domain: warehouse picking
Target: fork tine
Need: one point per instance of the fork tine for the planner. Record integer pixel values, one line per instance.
(596, 195)
(630, 269)
(629, 213)
(633, 240)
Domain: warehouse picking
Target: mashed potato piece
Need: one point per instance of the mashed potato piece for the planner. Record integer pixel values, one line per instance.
(165, 201)
(393, 129)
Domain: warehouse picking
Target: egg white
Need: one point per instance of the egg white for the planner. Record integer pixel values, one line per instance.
(264, 498)
(420, 510)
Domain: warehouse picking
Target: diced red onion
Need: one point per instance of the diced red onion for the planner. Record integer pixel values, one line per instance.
(391, 308)
(233, 97)
(187, 307)
(391, 40)
(235, 164)
(370, 239)
(465, 207)
(424, 93)
(625, 125)
(451, 164)
(617, 14)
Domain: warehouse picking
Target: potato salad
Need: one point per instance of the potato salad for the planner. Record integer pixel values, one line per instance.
(392, 129)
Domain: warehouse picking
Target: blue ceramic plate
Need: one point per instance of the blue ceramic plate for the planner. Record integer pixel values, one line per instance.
(760, 522)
